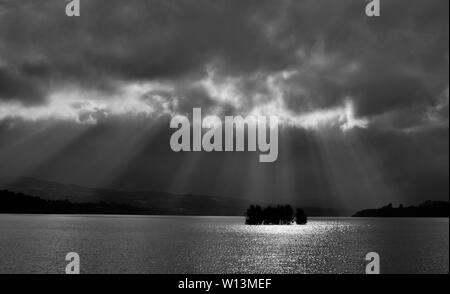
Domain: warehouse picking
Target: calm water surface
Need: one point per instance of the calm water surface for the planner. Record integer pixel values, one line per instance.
(175, 244)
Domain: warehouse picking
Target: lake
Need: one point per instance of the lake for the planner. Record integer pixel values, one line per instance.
(185, 244)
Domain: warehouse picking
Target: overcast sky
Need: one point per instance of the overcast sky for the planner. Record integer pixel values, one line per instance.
(363, 102)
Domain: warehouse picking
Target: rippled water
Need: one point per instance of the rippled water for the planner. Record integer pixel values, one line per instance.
(175, 244)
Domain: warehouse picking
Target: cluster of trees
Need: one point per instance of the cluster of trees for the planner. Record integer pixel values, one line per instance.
(279, 215)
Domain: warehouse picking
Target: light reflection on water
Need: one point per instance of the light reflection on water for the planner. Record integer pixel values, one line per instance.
(174, 244)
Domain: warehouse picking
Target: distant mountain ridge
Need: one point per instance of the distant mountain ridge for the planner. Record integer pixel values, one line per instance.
(157, 202)
(11, 202)
(426, 209)
(151, 202)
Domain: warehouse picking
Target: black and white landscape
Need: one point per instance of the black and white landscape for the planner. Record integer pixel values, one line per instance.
(86, 110)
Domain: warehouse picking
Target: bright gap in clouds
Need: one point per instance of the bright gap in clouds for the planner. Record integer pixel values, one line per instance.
(153, 99)
(88, 107)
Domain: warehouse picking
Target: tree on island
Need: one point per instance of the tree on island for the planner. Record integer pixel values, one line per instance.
(254, 215)
(279, 215)
(300, 217)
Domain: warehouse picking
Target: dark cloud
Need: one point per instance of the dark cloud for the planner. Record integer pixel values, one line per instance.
(14, 86)
(148, 40)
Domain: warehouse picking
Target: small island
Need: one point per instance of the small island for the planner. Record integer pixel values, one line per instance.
(279, 215)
